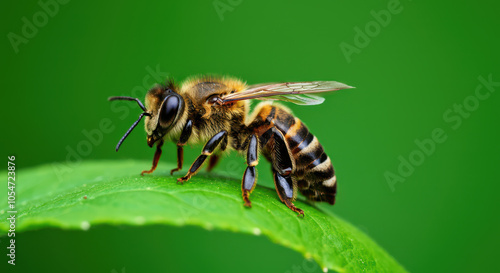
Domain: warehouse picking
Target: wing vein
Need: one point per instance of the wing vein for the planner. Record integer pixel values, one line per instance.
(295, 92)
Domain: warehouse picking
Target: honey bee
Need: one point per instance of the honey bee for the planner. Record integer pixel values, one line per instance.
(215, 111)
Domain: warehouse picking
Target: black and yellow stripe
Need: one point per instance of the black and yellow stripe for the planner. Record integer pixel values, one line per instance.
(313, 170)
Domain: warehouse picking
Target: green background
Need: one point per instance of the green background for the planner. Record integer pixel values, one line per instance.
(442, 218)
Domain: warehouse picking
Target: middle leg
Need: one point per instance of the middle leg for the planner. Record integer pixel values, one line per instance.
(215, 158)
(249, 177)
(207, 151)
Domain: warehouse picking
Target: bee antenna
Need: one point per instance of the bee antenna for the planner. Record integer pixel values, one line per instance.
(129, 98)
(131, 127)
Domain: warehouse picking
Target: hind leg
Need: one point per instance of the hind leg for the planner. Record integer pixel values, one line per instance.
(284, 187)
(282, 166)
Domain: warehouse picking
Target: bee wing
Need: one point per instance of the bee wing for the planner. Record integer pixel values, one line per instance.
(295, 92)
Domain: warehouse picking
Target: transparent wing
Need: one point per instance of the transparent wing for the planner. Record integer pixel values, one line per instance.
(295, 92)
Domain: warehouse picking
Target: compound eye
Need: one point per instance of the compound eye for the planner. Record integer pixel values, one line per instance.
(169, 110)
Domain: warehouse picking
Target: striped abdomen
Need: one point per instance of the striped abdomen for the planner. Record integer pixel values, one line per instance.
(313, 170)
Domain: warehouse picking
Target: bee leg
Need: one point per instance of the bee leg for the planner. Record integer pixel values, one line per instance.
(180, 159)
(249, 177)
(186, 133)
(214, 159)
(156, 158)
(207, 151)
(284, 187)
(212, 162)
(282, 167)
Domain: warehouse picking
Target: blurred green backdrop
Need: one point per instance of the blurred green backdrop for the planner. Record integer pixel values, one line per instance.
(412, 73)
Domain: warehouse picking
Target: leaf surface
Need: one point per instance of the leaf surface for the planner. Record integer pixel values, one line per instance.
(113, 193)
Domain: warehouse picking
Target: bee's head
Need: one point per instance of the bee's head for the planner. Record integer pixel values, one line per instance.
(164, 107)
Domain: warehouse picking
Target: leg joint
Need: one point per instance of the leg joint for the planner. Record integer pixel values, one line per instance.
(213, 142)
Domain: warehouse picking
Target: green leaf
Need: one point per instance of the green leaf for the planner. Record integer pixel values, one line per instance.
(113, 192)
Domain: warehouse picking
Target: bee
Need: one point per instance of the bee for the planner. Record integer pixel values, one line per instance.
(215, 111)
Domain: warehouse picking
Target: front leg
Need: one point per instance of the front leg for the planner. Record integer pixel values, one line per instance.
(186, 133)
(207, 151)
(180, 159)
(156, 158)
